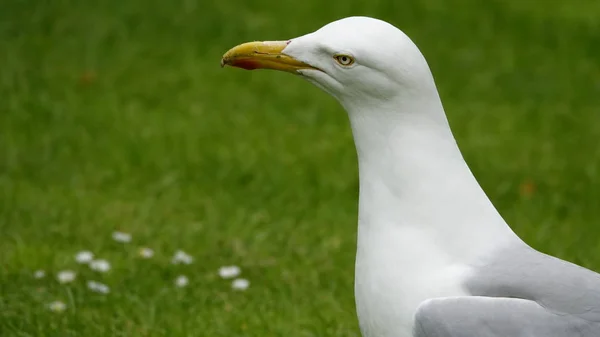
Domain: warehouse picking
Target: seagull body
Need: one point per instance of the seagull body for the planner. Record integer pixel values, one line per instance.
(434, 257)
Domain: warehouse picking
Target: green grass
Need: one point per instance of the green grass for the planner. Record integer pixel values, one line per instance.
(116, 115)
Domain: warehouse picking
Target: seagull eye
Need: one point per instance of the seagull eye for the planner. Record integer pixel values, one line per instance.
(344, 60)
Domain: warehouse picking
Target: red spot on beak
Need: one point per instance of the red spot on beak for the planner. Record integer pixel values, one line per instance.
(246, 64)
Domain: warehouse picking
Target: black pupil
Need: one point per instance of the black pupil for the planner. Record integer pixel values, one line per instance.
(344, 59)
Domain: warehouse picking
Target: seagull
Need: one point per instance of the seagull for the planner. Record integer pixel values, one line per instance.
(434, 257)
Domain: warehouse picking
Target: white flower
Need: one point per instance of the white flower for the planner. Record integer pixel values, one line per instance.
(39, 274)
(181, 257)
(57, 306)
(181, 281)
(240, 284)
(66, 276)
(229, 271)
(146, 253)
(84, 257)
(98, 287)
(121, 237)
(100, 265)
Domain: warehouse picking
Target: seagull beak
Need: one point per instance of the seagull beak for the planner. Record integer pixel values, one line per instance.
(263, 55)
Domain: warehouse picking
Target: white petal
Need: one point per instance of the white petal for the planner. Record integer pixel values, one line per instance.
(146, 253)
(229, 271)
(98, 287)
(181, 281)
(39, 274)
(121, 237)
(103, 289)
(57, 306)
(181, 257)
(66, 276)
(240, 284)
(100, 265)
(84, 257)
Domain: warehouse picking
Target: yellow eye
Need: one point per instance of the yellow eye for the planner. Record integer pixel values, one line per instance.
(344, 60)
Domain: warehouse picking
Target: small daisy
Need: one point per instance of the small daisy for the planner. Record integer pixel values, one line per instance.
(121, 237)
(229, 271)
(181, 257)
(240, 284)
(39, 274)
(146, 253)
(98, 287)
(100, 265)
(84, 257)
(57, 306)
(66, 276)
(181, 281)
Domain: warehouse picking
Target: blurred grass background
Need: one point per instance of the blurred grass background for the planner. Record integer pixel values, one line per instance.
(116, 116)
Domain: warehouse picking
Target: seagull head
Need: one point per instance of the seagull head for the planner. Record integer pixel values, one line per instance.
(358, 60)
(411, 170)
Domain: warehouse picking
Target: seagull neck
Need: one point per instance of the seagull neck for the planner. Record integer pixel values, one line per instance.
(413, 175)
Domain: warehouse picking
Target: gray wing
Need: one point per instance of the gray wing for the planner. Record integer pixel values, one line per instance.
(478, 316)
(517, 292)
(519, 271)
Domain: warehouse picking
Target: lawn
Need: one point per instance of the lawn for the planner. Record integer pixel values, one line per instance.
(115, 116)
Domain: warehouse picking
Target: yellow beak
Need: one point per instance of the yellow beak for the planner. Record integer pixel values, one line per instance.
(263, 55)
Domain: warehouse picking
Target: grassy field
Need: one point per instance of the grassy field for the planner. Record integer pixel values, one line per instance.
(116, 116)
